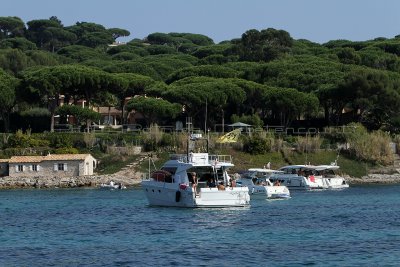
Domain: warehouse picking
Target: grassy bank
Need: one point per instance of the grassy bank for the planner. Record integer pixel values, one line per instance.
(348, 166)
(109, 164)
(244, 161)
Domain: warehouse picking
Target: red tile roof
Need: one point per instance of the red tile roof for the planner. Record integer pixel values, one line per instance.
(64, 157)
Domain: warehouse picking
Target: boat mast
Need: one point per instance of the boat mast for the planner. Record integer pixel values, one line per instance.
(189, 126)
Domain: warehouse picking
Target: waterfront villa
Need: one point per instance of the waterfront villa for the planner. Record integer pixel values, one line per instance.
(60, 165)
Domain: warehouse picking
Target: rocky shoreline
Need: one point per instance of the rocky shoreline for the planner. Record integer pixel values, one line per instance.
(70, 182)
(131, 179)
(375, 178)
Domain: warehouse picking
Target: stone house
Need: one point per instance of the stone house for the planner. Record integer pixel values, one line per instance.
(60, 165)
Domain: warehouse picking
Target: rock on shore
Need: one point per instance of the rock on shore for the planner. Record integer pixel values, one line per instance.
(80, 181)
(375, 178)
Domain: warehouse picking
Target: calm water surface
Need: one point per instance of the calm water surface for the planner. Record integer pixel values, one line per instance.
(359, 226)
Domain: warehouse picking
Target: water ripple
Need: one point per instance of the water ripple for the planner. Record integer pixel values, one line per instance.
(355, 227)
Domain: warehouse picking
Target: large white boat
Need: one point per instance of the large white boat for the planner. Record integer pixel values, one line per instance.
(298, 177)
(259, 184)
(172, 185)
(310, 177)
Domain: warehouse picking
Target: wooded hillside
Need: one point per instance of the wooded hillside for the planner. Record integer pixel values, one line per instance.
(264, 77)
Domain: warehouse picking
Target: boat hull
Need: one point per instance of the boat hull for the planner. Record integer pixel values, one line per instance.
(172, 195)
(336, 183)
(271, 192)
(299, 182)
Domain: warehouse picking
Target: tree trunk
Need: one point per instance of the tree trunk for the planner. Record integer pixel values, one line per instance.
(52, 122)
(223, 121)
(326, 109)
(53, 106)
(123, 113)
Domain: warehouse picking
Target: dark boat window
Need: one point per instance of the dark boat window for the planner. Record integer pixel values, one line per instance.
(171, 170)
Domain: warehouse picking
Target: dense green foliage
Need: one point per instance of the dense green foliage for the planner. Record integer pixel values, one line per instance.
(264, 74)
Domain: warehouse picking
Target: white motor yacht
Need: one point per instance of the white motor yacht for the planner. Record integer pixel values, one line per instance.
(173, 185)
(310, 177)
(298, 177)
(259, 184)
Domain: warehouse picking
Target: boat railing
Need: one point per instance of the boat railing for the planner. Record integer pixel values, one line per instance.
(179, 157)
(215, 159)
(202, 158)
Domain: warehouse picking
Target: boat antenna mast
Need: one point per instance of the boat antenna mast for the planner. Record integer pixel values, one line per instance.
(189, 126)
(150, 156)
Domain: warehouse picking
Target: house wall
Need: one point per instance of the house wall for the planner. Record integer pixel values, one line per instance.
(88, 166)
(47, 168)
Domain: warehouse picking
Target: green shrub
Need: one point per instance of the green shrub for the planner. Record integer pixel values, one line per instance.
(19, 140)
(23, 140)
(36, 112)
(256, 145)
(66, 150)
(60, 140)
(308, 143)
(371, 147)
(168, 141)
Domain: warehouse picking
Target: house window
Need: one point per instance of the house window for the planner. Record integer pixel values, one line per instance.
(20, 168)
(60, 166)
(34, 167)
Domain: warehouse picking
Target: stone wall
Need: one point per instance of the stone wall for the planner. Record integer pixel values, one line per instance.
(68, 182)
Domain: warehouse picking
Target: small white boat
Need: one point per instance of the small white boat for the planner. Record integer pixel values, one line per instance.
(111, 185)
(259, 184)
(174, 184)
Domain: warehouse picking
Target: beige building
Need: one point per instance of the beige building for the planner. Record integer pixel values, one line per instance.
(60, 165)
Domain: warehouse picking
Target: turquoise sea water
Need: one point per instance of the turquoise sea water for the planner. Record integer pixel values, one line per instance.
(359, 226)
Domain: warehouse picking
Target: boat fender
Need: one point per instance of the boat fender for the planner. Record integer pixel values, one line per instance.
(177, 196)
(183, 186)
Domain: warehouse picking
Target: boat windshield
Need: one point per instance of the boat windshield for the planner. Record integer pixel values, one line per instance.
(171, 170)
(326, 173)
(261, 181)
